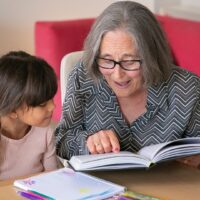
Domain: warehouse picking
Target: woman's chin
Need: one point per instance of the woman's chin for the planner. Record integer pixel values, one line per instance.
(122, 94)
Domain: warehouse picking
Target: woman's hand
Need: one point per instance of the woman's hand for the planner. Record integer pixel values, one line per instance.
(103, 141)
(192, 161)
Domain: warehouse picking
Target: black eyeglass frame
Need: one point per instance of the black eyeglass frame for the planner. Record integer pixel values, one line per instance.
(119, 63)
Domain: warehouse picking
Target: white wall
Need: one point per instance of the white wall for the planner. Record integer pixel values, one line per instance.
(191, 3)
(17, 17)
(188, 9)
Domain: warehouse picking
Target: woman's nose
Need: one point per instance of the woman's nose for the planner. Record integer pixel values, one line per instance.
(118, 71)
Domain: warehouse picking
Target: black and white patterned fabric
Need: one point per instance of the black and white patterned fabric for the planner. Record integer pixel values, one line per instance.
(173, 111)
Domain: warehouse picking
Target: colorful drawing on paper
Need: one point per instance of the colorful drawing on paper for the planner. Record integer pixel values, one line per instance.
(29, 182)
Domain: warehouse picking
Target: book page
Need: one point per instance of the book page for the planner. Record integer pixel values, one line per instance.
(68, 184)
(177, 151)
(172, 149)
(152, 150)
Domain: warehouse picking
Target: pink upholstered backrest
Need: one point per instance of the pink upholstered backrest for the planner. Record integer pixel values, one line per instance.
(54, 39)
(184, 39)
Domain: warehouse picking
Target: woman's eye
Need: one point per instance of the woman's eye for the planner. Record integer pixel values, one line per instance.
(128, 62)
(108, 61)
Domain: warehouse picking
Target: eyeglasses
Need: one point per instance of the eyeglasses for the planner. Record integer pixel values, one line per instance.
(129, 65)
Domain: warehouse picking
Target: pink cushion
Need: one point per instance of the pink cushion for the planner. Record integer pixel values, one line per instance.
(184, 40)
(54, 39)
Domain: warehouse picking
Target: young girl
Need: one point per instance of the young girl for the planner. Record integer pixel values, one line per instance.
(27, 87)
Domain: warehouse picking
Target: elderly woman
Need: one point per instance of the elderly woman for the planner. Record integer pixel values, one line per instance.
(126, 93)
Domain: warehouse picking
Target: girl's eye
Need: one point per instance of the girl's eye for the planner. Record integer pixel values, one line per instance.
(43, 104)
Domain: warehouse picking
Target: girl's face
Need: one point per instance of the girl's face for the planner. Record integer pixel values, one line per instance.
(36, 116)
(119, 46)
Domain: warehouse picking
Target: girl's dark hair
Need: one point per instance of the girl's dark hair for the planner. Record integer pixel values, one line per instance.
(25, 79)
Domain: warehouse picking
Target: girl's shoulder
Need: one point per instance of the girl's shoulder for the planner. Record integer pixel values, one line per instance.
(42, 133)
(46, 130)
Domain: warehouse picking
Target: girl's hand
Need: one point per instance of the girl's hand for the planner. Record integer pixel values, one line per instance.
(192, 161)
(103, 141)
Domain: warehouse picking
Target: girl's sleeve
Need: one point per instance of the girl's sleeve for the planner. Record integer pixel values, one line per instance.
(70, 133)
(50, 161)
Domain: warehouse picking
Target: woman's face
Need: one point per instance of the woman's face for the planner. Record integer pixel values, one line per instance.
(119, 46)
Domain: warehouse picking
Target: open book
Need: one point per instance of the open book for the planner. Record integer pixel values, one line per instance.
(144, 158)
(66, 184)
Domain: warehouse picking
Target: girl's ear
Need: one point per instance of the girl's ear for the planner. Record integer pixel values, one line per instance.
(13, 115)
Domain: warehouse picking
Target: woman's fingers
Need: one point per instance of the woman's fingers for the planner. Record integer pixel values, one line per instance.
(103, 141)
(90, 145)
(115, 143)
